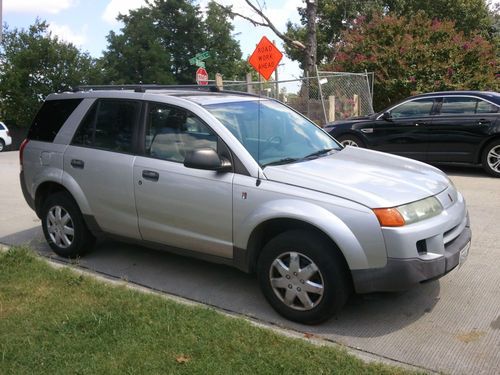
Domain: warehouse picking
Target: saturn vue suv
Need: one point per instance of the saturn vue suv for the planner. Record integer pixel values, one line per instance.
(241, 180)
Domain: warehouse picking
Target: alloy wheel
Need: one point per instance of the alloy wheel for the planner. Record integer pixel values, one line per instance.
(493, 159)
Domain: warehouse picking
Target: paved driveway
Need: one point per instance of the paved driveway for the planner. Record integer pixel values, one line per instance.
(451, 325)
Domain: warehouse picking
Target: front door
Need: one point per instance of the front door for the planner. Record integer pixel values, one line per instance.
(178, 206)
(404, 132)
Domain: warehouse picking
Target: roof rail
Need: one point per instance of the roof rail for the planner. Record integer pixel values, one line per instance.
(144, 87)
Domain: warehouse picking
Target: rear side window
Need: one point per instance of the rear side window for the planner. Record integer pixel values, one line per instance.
(50, 118)
(109, 125)
(1, 126)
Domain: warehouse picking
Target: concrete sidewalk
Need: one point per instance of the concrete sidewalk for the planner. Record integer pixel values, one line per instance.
(451, 325)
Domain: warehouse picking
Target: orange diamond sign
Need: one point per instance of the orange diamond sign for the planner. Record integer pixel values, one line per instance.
(265, 58)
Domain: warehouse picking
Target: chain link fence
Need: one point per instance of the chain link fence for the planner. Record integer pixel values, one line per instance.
(326, 97)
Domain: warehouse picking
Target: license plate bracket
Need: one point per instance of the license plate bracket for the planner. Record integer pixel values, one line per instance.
(464, 253)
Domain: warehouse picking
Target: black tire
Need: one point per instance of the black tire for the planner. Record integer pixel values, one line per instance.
(57, 231)
(2, 145)
(332, 274)
(351, 140)
(491, 158)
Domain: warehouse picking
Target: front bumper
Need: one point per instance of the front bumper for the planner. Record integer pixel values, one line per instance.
(402, 274)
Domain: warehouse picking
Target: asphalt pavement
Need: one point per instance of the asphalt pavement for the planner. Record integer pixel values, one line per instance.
(451, 325)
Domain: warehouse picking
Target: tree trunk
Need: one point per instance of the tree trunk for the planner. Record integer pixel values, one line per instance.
(311, 48)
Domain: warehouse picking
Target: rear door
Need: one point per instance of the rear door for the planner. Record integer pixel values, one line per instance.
(403, 132)
(100, 160)
(456, 133)
(178, 206)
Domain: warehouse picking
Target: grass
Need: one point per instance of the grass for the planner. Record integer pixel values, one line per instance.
(55, 321)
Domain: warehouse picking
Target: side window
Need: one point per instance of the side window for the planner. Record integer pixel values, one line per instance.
(485, 107)
(172, 132)
(50, 118)
(109, 125)
(1, 126)
(458, 106)
(413, 108)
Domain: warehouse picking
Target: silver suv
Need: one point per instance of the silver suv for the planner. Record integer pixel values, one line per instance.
(241, 180)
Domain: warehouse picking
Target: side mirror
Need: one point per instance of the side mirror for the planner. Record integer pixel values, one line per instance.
(387, 116)
(207, 159)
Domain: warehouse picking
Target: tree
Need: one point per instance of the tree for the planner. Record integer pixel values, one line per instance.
(416, 55)
(35, 63)
(225, 53)
(157, 42)
(137, 54)
(335, 16)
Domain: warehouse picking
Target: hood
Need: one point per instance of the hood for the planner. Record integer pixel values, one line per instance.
(372, 178)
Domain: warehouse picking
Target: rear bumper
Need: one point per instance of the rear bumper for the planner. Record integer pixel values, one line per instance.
(402, 274)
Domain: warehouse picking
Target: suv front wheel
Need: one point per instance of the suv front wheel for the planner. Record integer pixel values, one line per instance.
(303, 277)
(63, 226)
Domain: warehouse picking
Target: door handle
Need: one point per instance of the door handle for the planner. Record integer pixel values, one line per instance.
(150, 175)
(367, 130)
(76, 163)
(483, 122)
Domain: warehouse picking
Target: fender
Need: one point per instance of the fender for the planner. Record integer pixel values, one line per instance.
(76, 191)
(312, 214)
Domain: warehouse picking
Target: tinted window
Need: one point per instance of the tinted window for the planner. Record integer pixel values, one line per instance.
(172, 132)
(485, 107)
(50, 118)
(1, 126)
(109, 125)
(458, 106)
(414, 108)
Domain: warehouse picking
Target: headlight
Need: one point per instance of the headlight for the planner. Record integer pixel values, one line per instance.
(420, 210)
(408, 213)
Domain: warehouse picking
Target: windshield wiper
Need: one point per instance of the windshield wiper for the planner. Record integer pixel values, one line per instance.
(281, 161)
(319, 153)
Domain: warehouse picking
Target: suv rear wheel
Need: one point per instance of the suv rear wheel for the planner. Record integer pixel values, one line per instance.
(63, 226)
(2, 144)
(303, 277)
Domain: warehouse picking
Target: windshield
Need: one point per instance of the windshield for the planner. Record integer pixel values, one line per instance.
(283, 136)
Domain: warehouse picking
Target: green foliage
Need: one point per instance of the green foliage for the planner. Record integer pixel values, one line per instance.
(157, 41)
(335, 17)
(137, 54)
(58, 322)
(33, 64)
(417, 55)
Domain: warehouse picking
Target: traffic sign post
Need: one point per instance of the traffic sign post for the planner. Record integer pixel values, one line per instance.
(201, 73)
(265, 58)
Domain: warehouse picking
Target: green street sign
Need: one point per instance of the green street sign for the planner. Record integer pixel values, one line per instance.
(203, 55)
(198, 59)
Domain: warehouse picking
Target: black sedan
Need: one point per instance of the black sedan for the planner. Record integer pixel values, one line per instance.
(455, 126)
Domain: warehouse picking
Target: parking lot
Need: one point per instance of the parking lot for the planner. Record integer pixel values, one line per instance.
(451, 325)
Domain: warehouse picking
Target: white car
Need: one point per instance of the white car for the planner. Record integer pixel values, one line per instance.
(5, 139)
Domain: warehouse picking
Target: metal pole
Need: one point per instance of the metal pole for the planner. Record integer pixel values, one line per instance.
(321, 95)
(276, 79)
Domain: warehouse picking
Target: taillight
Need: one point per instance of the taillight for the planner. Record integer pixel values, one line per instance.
(21, 151)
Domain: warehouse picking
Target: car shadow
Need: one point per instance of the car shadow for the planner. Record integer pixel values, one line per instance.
(226, 288)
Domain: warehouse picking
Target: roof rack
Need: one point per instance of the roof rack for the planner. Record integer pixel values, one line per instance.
(143, 88)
